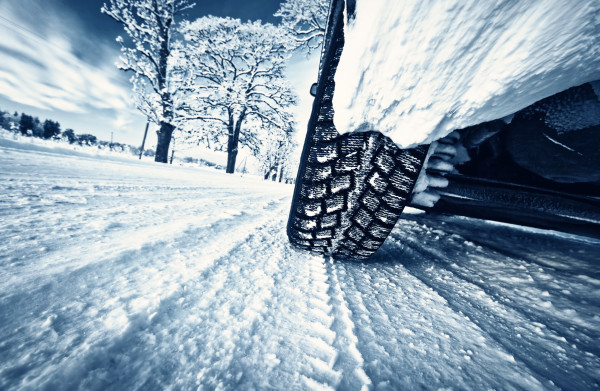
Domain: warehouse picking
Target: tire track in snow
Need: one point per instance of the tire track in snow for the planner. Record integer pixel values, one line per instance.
(248, 321)
(515, 318)
(121, 304)
(395, 344)
(71, 217)
(69, 222)
(124, 244)
(528, 287)
(542, 354)
(533, 309)
(364, 319)
(350, 361)
(318, 347)
(428, 343)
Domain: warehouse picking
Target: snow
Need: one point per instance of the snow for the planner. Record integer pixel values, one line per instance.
(121, 274)
(416, 70)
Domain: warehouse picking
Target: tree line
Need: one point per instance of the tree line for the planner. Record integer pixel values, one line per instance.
(30, 126)
(217, 82)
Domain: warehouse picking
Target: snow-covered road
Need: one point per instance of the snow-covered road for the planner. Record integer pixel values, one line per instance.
(130, 275)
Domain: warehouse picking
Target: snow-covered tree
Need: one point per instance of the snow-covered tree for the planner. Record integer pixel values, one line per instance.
(147, 53)
(69, 135)
(275, 153)
(51, 129)
(4, 122)
(305, 20)
(26, 124)
(234, 76)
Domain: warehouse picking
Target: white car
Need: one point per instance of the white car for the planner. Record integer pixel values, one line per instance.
(539, 166)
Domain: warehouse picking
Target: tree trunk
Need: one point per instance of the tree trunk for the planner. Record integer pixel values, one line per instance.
(233, 140)
(269, 171)
(231, 147)
(163, 142)
(166, 129)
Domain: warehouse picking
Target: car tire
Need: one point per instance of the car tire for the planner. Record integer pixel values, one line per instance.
(351, 190)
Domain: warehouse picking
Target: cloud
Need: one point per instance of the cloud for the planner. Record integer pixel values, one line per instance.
(43, 62)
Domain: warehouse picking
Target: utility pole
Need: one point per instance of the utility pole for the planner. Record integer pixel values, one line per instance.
(144, 140)
(172, 151)
(111, 140)
(244, 167)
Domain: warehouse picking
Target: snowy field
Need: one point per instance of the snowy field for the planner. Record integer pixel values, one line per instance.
(130, 275)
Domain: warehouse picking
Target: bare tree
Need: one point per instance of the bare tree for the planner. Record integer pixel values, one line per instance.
(305, 20)
(147, 53)
(234, 76)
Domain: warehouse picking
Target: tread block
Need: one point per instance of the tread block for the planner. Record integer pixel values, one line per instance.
(394, 200)
(341, 183)
(335, 203)
(370, 200)
(378, 183)
(402, 182)
(409, 163)
(305, 224)
(305, 243)
(363, 218)
(356, 233)
(300, 235)
(324, 154)
(309, 209)
(317, 173)
(372, 244)
(321, 243)
(379, 231)
(350, 245)
(352, 143)
(324, 234)
(329, 220)
(384, 161)
(348, 163)
(314, 191)
(325, 131)
(386, 215)
(325, 114)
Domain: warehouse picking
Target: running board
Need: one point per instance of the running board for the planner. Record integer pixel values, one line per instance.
(518, 204)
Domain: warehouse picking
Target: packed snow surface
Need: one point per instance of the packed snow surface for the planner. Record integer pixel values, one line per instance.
(417, 69)
(124, 275)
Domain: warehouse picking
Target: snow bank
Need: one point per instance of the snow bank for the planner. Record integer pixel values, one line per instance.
(415, 70)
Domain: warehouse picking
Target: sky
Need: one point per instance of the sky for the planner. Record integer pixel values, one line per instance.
(57, 61)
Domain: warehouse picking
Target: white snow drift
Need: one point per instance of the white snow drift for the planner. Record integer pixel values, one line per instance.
(415, 70)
